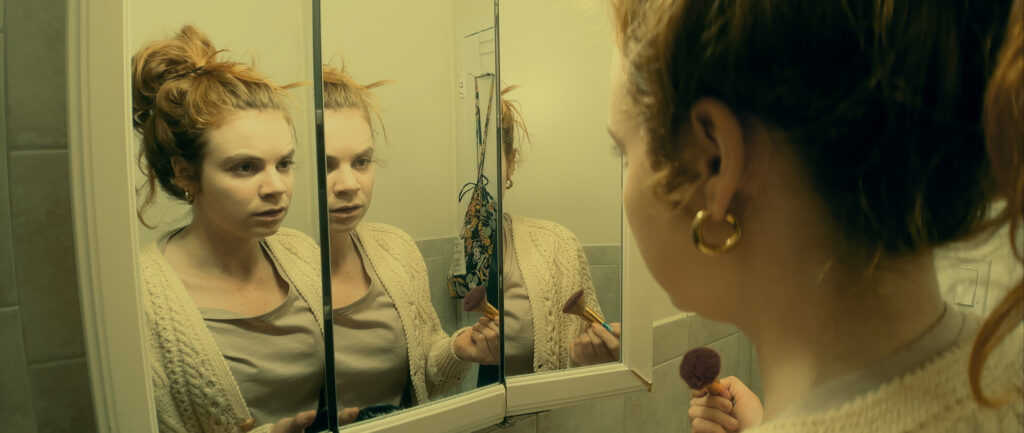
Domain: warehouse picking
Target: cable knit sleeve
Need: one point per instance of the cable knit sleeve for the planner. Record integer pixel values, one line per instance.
(444, 370)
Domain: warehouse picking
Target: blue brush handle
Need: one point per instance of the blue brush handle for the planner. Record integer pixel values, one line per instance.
(608, 327)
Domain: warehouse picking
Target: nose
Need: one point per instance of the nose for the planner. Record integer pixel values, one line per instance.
(344, 181)
(274, 184)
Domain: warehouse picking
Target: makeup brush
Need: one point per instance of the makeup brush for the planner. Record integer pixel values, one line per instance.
(476, 300)
(575, 305)
(700, 368)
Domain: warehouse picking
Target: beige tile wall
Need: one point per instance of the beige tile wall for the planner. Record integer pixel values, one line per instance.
(44, 382)
(664, 408)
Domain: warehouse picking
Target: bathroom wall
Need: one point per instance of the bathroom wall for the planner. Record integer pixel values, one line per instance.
(664, 408)
(416, 174)
(569, 172)
(44, 381)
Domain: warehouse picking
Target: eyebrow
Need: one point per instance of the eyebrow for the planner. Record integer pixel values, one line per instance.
(245, 157)
(365, 152)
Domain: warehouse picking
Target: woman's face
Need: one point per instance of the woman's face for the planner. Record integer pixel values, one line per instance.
(348, 142)
(662, 233)
(246, 182)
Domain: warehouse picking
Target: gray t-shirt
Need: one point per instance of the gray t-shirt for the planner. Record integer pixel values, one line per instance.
(276, 357)
(371, 356)
(518, 315)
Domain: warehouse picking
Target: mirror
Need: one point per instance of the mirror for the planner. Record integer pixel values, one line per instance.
(562, 197)
(229, 265)
(402, 85)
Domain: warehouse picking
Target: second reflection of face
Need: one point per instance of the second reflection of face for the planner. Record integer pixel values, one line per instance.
(348, 144)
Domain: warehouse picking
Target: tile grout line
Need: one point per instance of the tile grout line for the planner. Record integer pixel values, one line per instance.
(50, 362)
(29, 150)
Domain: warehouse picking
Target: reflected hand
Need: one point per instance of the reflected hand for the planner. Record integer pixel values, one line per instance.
(596, 345)
(479, 344)
(295, 424)
(347, 416)
(739, 410)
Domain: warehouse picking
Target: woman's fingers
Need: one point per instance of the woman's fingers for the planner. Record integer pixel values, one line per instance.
(609, 343)
(701, 425)
(348, 415)
(295, 424)
(713, 402)
(715, 410)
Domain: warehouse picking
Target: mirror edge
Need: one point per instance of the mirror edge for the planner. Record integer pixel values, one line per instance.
(105, 253)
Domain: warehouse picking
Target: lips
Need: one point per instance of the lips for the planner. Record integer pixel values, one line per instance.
(274, 213)
(346, 211)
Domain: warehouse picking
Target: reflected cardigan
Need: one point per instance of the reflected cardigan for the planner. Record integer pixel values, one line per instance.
(193, 387)
(554, 267)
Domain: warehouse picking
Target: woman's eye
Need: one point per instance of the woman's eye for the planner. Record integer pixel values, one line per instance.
(362, 162)
(245, 167)
(286, 164)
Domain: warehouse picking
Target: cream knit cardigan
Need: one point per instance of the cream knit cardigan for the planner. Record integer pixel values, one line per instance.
(193, 386)
(553, 267)
(934, 398)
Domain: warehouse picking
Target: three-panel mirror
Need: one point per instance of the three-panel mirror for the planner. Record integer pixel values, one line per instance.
(463, 223)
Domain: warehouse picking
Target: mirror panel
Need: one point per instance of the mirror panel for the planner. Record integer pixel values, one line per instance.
(230, 281)
(399, 80)
(564, 180)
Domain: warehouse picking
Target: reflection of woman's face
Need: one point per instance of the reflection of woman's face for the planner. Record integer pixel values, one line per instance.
(661, 233)
(348, 143)
(246, 182)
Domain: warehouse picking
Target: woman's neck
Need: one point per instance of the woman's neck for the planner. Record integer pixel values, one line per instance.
(820, 329)
(212, 250)
(343, 251)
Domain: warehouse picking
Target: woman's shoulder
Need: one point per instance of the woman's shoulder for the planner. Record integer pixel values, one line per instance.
(384, 234)
(935, 397)
(543, 230)
(293, 239)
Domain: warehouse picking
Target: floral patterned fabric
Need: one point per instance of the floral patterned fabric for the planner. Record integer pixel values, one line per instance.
(479, 230)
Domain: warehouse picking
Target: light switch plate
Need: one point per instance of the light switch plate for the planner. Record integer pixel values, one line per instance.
(964, 281)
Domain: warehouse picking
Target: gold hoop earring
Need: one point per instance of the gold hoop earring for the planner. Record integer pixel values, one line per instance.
(712, 250)
(508, 183)
(189, 197)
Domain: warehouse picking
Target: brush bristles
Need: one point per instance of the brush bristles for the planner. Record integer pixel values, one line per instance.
(574, 305)
(700, 367)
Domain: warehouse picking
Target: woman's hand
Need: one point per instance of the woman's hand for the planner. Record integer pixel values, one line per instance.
(596, 345)
(295, 424)
(479, 344)
(739, 410)
(299, 422)
(347, 416)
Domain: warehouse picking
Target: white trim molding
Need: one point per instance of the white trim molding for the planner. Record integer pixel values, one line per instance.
(99, 146)
(466, 412)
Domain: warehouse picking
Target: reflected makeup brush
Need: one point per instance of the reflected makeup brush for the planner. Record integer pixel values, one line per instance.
(476, 300)
(575, 305)
(700, 368)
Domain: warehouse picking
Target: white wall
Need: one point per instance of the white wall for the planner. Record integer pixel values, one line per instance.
(559, 53)
(277, 35)
(409, 42)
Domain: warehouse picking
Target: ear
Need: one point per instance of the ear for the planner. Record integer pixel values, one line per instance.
(184, 174)
(717, 129)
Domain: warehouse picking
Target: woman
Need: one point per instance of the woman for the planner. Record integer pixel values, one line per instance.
(544, 265)
(390, 347)
(234, 338)
(846, 140)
